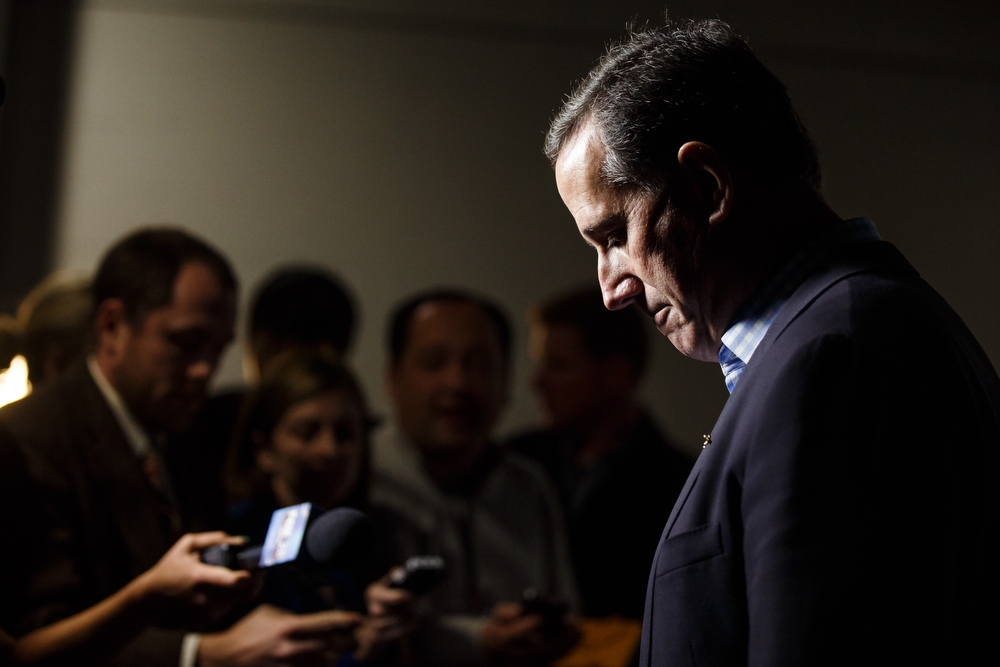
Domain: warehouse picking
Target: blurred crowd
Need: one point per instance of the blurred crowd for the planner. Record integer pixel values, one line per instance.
(120, 470)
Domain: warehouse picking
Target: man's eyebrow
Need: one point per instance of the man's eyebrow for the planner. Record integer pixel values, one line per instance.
(600, 228)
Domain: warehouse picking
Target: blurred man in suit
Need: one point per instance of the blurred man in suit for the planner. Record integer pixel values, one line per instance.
(96, 443)
(617, 475)
(846, 508)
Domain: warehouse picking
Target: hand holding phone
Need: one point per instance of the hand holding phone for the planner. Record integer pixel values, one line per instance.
(419, 574)
(553, 613)
(535, 631)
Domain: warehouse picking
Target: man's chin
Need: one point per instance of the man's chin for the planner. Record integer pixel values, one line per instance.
(180, 418)
(691, 343)
(661, 318)
(560, 420)
(452, 440)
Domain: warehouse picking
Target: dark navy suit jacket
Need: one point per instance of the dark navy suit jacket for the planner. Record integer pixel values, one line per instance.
(846, 511)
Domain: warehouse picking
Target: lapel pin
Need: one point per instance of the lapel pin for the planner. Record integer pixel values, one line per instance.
(708, 440)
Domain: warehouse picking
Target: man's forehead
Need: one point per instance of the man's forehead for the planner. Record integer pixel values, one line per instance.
(555, 336)
(197, 285)
(580, 180)
(562, 330)
(582, 156)
(446, 321)
(199, 300)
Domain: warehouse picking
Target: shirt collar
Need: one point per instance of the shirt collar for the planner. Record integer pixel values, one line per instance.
(752, 323)
(135, 435)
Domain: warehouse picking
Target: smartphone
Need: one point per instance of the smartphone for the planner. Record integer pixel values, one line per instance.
(551, 611)
(419, 574)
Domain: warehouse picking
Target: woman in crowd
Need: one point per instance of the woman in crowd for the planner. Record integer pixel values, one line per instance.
(303, 437)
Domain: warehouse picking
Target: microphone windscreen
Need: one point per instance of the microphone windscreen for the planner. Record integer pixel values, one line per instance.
(341, 537)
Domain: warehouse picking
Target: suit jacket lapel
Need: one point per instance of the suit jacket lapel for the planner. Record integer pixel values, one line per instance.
(681, 499)
(854, 259)
(118, 478)
(857, 258)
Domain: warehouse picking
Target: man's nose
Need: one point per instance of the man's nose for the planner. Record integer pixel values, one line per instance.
(456, 374)
(619, 287)
(202, 369)
(328, 446)
(535, 376)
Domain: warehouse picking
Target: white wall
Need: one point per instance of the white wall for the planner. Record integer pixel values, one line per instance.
(401, 145)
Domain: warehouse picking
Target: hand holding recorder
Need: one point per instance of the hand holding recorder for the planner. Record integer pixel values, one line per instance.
(178, 590)
(391, 604)
(534, 631)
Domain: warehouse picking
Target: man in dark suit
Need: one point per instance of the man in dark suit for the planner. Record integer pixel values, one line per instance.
(96, 443)
(617, 475)
(846, 507)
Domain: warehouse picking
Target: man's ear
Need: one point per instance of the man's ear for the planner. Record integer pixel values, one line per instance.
(712, 181)
(111, 328)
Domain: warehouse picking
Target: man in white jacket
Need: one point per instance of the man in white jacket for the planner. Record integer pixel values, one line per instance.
(491, 514)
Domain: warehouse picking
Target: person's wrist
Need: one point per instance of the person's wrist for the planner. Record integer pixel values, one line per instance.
(365, 651)
(211, 650)
(137, 596)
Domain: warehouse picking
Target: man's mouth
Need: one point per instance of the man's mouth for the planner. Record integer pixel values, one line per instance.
(454, 414)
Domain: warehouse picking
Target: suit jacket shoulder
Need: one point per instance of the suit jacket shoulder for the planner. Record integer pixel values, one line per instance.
(865, 419)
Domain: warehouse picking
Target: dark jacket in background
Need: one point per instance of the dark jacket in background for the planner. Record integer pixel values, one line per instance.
(104, 524)
(615, 511)
(25, 531)
(210, 438)
(847, 511)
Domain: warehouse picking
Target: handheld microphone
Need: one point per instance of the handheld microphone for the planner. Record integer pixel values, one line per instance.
(341, 537)
(233, 557)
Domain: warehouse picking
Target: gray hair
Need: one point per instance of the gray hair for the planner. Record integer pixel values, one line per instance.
(692, 81)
